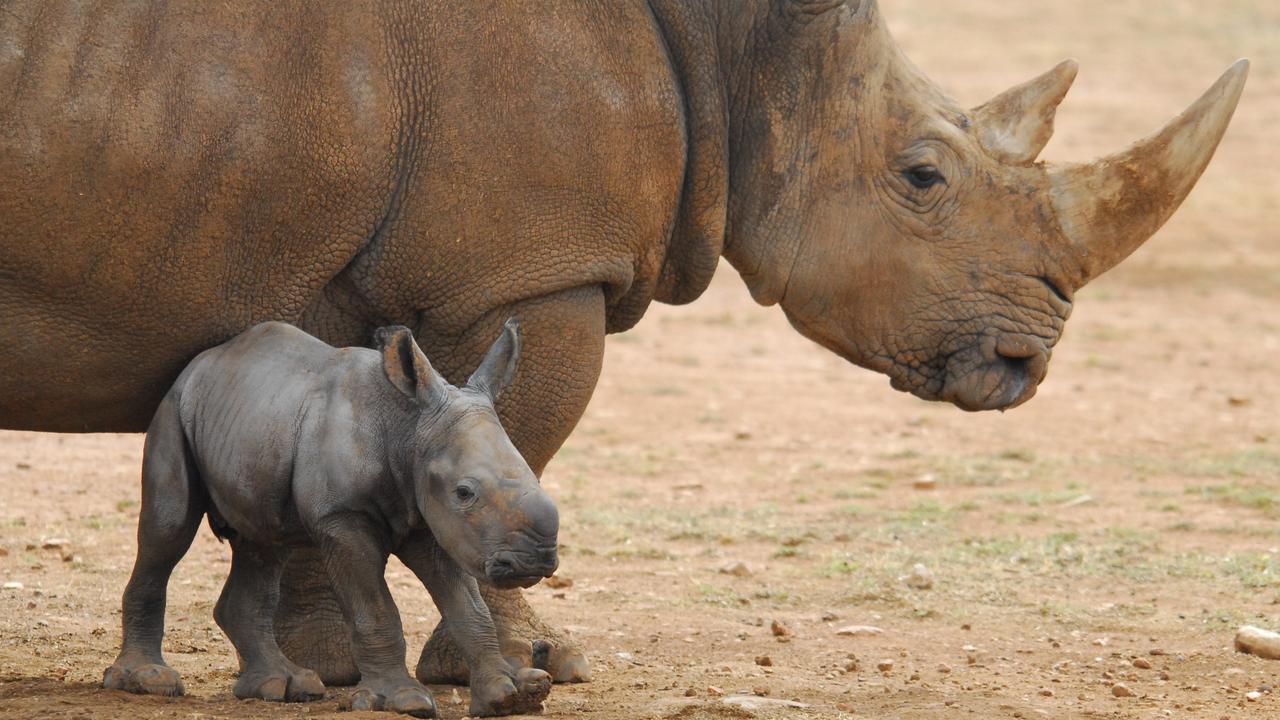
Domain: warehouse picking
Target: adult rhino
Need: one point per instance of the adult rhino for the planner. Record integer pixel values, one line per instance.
(172, 173)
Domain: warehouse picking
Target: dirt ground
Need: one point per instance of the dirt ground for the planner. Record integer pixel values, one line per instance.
(1116, 530)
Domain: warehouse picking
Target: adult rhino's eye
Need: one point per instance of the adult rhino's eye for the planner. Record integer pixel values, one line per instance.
(464, 493)
(924, 177)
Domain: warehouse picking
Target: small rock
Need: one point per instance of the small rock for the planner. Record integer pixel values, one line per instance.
(779, 630)
(752, 703)
(67, 556)
(4, 552)
(13, 585)
(764, 661)
(1121, 690)
(920, 578)
(558, 582)
(1253, 696)
(850, 665)
(760, 690)
(944, 668)
(885, 666)
(737, 568)
(56, 543)
(1164, 674)
(713, 690)
(1256, 641)
(860, 630)
(1156, 651)
(1142, 663)
(925, 482)
(1046, 692)
(691, 693)
(455, 698)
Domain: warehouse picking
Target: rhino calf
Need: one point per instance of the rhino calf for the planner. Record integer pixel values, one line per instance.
(284, 442)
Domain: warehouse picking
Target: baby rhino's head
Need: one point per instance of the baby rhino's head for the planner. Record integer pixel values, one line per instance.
(483, 504)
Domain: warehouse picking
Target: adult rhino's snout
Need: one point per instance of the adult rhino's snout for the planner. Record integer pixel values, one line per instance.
(1002, 372)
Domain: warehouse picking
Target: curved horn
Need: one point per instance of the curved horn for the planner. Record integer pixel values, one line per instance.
(1015, 125)
(1109, 207)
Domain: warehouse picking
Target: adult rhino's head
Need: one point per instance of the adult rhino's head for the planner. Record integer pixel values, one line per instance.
(919, 238)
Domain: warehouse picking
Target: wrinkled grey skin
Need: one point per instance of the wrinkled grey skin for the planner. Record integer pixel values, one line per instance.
(288, 442)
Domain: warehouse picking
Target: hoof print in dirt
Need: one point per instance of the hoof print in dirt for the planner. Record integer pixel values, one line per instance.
(148, 679)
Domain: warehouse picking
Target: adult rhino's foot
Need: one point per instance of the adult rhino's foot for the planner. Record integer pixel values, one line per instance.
(309, 625)
(519, 694)
(402, 696)
(282, 684)
(144, 678)
(518, 629)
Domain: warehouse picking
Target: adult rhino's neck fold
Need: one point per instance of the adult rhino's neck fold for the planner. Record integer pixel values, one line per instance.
(691, 33)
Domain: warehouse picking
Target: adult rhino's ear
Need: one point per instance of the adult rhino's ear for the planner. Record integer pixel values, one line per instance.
(499, 365)
(406, 367)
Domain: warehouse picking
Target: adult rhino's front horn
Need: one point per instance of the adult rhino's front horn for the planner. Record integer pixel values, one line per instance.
(1109, 207)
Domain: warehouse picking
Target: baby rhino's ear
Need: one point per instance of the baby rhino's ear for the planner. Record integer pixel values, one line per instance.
(407, 368)
(499, 365)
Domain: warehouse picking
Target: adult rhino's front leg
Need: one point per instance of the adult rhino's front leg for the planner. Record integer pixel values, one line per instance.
(563, 341)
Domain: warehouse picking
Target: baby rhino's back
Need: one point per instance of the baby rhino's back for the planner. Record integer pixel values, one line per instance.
(243, 405)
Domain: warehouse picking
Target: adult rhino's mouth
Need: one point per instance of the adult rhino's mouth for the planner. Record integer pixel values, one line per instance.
(996, 374)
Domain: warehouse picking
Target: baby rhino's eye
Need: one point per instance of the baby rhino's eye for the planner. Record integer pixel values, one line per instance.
(464, 493)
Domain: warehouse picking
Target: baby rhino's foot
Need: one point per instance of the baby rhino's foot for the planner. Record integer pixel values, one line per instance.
(284, 684)
(143, 678)
(402, 696)
(506, 695)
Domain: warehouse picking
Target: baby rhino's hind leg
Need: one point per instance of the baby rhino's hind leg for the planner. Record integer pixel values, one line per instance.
(245, 613)
(173, 503)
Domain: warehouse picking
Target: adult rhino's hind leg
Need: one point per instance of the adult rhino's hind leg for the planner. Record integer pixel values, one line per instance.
(173, 503)
(309, 625)
(563, 347)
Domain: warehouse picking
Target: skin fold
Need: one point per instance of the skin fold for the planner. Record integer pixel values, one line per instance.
(287, 442)
(174, 173)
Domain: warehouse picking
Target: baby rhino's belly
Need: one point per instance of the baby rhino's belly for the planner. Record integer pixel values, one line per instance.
(253, 504)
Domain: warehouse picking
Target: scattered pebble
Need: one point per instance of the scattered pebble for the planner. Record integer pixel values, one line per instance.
(56, 543)
(925, 482)
(944, 668)
(885, 666)
(1253, 696)
(920, 578)
(1142, 663)
(764, 661)
(1121, 690)
(760, 690)
(1256, 641)
(860, 630)
(713, 690)
(13, 585)
(558, 582)
(779, 630)
(737, 568)
(4, 552)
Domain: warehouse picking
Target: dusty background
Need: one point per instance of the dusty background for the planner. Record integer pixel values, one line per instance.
(1130, 511)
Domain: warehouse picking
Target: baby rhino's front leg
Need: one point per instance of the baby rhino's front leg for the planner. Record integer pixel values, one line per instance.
(496, 689)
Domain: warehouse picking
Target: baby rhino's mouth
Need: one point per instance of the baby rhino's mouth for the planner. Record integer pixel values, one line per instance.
(508, 569)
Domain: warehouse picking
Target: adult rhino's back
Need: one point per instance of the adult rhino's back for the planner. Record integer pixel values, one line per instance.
(172, 173)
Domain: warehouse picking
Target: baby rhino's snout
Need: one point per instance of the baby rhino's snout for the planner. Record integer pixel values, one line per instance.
(530, 551)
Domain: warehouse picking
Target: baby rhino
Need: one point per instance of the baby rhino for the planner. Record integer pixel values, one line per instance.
(286, 442)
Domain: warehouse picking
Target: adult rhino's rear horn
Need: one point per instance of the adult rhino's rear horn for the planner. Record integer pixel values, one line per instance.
(1109, 207)
(1015, 125)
